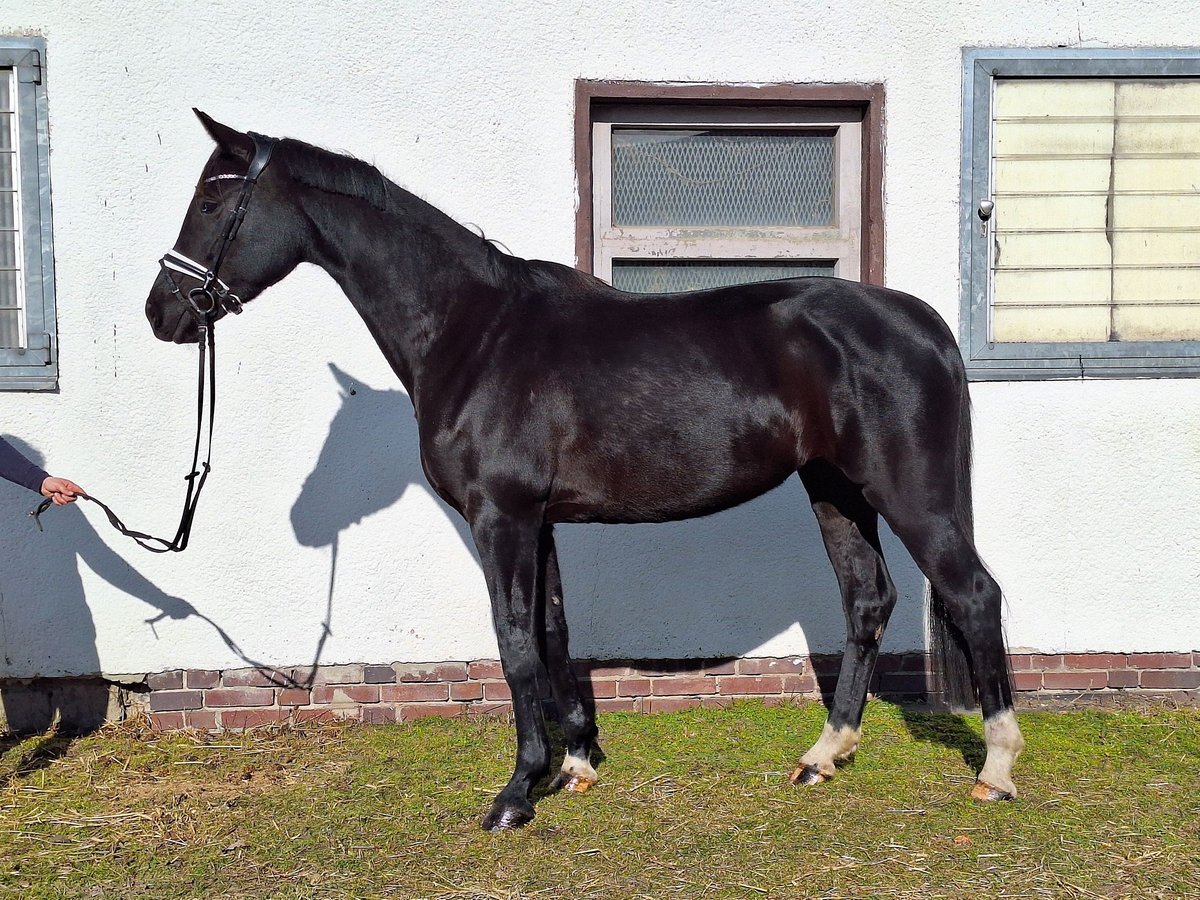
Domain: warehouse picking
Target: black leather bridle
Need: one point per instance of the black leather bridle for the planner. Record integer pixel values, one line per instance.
(203, 302)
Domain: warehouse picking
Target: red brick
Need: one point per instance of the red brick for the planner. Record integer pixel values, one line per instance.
(671, 704)
(202, 719)
(203, 679)
(716, 702)
(295, 697)
(799, 684)
(166, 701)
(1075, 681)
(1123, 678)
(342, 694)
(915, 662)
(165, 681)
(903, 683)
(485, 668)
(1020, 662)
(466, 690)
(413, 692)
(1027, 681)
(232, 678)
(633, 687)
(1093, 661)
(1196, 659)
(379, 675)
(825, 663)
(1185, 680)
(496, 690)
(451, 671)
(253, 718)
(605, 668)
(1160, 660)
(727, 667)
(618, 705)
(340, 675)
(1047, 662)
(167, 721)
(410, 711)
(752, 684)
(606, 688)
(379, 715)
(675, 686)
(767, 666)
(239, 697)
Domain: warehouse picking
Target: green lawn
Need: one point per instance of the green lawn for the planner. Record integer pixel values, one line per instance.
(690, 804)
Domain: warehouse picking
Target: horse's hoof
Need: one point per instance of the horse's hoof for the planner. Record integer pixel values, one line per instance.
(506, 815)
(575, 784)
(807, 775)
(985, 793)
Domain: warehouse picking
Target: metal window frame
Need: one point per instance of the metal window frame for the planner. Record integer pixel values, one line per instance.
(987, 360)
(839, 243)
(33, 367)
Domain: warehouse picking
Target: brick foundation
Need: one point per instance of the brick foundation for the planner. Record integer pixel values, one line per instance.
(244, 698)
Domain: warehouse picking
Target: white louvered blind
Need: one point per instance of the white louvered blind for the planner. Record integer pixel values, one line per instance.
(1096, 184)
(11, 280)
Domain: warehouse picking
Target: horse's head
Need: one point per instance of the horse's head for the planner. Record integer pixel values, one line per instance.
(266, 247)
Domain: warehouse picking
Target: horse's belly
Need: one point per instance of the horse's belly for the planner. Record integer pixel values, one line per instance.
(663, 486)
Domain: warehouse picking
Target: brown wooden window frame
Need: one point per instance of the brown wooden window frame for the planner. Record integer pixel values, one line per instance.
(590, 96)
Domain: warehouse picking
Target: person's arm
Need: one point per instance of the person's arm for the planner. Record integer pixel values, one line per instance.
(19, 470)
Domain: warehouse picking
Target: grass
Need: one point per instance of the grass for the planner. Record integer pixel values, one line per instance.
(690, 804)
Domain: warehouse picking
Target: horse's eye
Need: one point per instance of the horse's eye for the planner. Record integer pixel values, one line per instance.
(207, 207)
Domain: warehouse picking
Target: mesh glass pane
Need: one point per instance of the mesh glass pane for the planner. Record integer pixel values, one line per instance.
(672, 277)
(688, 177)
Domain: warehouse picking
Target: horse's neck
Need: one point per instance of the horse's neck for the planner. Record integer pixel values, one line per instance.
(407, 271)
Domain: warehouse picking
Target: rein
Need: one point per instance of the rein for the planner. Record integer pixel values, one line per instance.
(203, 302)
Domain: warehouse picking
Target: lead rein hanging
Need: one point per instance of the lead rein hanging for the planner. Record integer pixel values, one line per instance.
(195, 478)
(217, 294)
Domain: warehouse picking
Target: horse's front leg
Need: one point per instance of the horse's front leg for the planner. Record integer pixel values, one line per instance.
(508, 550)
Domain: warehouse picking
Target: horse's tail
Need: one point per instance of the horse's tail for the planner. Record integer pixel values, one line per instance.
(952, 674)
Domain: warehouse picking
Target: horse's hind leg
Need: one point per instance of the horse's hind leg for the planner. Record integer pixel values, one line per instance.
(849, 526)
(576, 718)
(969, 597)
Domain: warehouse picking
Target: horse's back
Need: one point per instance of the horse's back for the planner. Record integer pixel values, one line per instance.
(670, 406)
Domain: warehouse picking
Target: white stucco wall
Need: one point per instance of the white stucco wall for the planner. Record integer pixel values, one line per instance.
(1084, 490)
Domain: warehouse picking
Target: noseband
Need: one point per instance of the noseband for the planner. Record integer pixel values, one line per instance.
(213, 293)
(203, 301)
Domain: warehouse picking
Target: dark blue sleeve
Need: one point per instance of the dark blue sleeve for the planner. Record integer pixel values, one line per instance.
(18, 469)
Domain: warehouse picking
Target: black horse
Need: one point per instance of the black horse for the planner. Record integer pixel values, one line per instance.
(544, 395)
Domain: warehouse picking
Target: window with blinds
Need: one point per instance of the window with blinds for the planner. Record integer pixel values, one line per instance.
(1096, 185)
(27, 314)
(12, 294)
(1081, 212)
(691, 198)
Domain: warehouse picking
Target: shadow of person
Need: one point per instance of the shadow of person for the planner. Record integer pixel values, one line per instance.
(50, 668)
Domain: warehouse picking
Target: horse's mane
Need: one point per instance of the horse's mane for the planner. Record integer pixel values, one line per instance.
(336, 173)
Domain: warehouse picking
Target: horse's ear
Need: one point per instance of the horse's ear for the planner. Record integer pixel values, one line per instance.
(345, 382)
(227, 138)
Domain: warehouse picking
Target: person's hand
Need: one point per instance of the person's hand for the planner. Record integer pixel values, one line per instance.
(60, 490)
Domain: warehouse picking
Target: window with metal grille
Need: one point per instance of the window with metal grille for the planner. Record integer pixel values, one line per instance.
(687, 194)
(27, 316)
(1081, 213)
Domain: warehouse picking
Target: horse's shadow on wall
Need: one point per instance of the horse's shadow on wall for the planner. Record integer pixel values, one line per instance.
(729, 585)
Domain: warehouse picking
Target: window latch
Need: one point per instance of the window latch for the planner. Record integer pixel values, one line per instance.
(985, 210)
